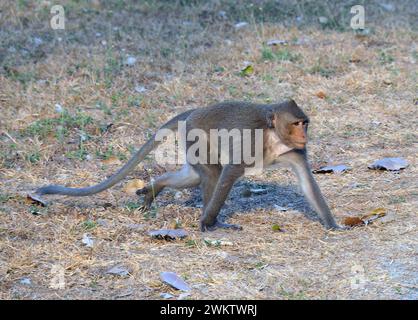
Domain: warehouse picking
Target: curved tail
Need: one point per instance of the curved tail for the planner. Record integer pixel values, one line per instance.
(122, 173)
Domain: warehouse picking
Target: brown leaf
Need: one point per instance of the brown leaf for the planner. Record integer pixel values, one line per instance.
(112, 161)
(355, 59)
(134, 185)
(356, 56)
(373, 215)
(353, 221)
(321, 94)
(174, 224)
(35, 199)
(366, 219)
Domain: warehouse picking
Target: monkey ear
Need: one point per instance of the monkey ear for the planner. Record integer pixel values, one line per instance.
(271, 120)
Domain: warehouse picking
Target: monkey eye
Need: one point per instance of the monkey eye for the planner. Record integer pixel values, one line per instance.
(298, 123)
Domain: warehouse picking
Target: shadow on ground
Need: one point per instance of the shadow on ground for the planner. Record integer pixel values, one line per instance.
(248, 196)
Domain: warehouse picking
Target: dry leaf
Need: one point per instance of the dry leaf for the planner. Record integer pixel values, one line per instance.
(356, 55)
(87, 240)
(249, 69)
(353, 221)
(217, 242)
(134, 185)
(276, 227)
(332, 169)
(166, 295)
(355, 58)
(276, 42)
(366, 219)
(35, 199)
(174, 280)
(391, 164)
(174, 224)
(241, 25)
(373, 215)
(168, 234)
(112, 161)
(118, 271)
(321, 94)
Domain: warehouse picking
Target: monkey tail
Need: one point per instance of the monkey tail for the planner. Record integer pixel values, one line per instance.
(119, 175)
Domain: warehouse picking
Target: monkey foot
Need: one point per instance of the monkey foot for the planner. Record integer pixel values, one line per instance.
(143, 209)
(219, 225)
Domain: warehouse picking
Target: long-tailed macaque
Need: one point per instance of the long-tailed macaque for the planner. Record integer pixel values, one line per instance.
(284, 138)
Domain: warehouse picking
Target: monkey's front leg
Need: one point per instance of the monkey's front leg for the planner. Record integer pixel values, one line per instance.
(299, 163)
(209, 220)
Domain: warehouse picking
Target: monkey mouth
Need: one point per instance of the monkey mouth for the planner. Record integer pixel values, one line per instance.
(300, 145)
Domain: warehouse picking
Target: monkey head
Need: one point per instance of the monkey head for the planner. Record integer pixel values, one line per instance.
(290, 124)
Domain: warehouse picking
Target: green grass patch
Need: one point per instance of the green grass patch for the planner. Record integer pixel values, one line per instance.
(132, 205)
(385, 57)
(79, 154)
(8, 155)
(324, 71)
(283, 54)
(135, 101)
(60, 126)
(109, 152)
(397, 200)
(20, 76)
(4, 197)
(89, 225)
(33, 157)
(36, 210)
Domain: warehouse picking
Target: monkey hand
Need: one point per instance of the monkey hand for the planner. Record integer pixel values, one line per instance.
(204, 226)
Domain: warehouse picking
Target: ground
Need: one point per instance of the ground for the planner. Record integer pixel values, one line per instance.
(74, 107)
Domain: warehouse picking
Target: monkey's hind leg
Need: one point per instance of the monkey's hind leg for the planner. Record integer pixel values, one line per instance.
(215, 190)
(186, 177)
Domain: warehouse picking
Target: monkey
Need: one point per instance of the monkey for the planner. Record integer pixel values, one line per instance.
(284, 139)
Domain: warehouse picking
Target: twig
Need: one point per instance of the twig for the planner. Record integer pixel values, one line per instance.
(10, 137)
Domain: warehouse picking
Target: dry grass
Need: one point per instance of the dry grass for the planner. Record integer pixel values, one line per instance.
(189, 57)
